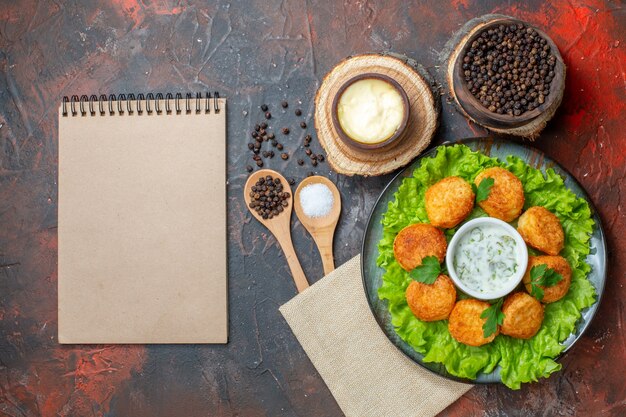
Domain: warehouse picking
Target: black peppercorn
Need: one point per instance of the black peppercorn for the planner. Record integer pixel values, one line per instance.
(291, 180)
(303, 125)
(264, 107)
(509, 68)
(268, 115)
(284, 156)
(268, 198)
(320, 158)
(279, 146)
(285, 130)
(300, 162)
(249, 168)
(298, 112)
(284, 104)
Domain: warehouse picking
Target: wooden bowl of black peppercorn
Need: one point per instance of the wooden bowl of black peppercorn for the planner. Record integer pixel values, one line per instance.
(508, 74)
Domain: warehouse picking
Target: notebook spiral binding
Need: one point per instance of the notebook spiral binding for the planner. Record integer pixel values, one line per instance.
(93, 104)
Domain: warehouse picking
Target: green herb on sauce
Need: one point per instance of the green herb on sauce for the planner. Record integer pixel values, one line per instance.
(486, 258)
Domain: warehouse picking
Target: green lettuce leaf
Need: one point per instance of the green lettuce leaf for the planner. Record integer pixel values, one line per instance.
(520, 360)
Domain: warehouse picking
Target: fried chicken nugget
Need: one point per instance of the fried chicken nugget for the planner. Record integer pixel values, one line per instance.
(416, 242)
(465, 324)
(431, 302)
(542, 230)
(523, 316)
(560, 265)
(506, 198)
(449, 201)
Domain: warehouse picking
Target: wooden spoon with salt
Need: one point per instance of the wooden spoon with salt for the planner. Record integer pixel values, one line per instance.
(280, 226)
(321, 228)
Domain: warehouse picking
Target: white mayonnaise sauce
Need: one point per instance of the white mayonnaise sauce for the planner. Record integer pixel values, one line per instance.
(370, 111)
(486, 258)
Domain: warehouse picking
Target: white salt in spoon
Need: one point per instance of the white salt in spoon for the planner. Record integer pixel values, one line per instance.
(321, 228)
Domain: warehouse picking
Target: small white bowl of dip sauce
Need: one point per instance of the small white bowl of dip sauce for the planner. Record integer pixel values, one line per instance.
(487, 258)
(370, 111)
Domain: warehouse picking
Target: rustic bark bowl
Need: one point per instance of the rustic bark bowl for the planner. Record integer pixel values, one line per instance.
(367, 146)
(527, 124)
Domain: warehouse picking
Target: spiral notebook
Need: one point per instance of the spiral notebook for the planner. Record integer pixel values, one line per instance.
(142, 219)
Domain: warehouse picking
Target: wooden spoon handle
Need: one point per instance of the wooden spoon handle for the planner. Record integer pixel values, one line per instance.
(327, 261)
(294, 264)
(324, 244)
(326, 252)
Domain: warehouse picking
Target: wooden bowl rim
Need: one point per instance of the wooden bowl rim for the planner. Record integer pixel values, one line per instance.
(475, 109)
(393, 138)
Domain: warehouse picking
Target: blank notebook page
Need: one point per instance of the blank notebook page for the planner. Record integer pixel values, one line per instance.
(142, 227)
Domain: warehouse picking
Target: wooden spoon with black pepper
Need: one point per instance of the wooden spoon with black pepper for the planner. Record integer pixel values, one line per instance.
(279, 225)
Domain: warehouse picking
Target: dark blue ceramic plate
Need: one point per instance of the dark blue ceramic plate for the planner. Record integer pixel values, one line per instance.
(372, 274)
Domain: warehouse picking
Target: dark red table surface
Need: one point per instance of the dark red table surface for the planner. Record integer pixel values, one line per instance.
(253, 53)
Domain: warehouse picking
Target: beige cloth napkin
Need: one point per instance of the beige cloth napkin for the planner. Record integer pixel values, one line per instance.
(365, 372)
